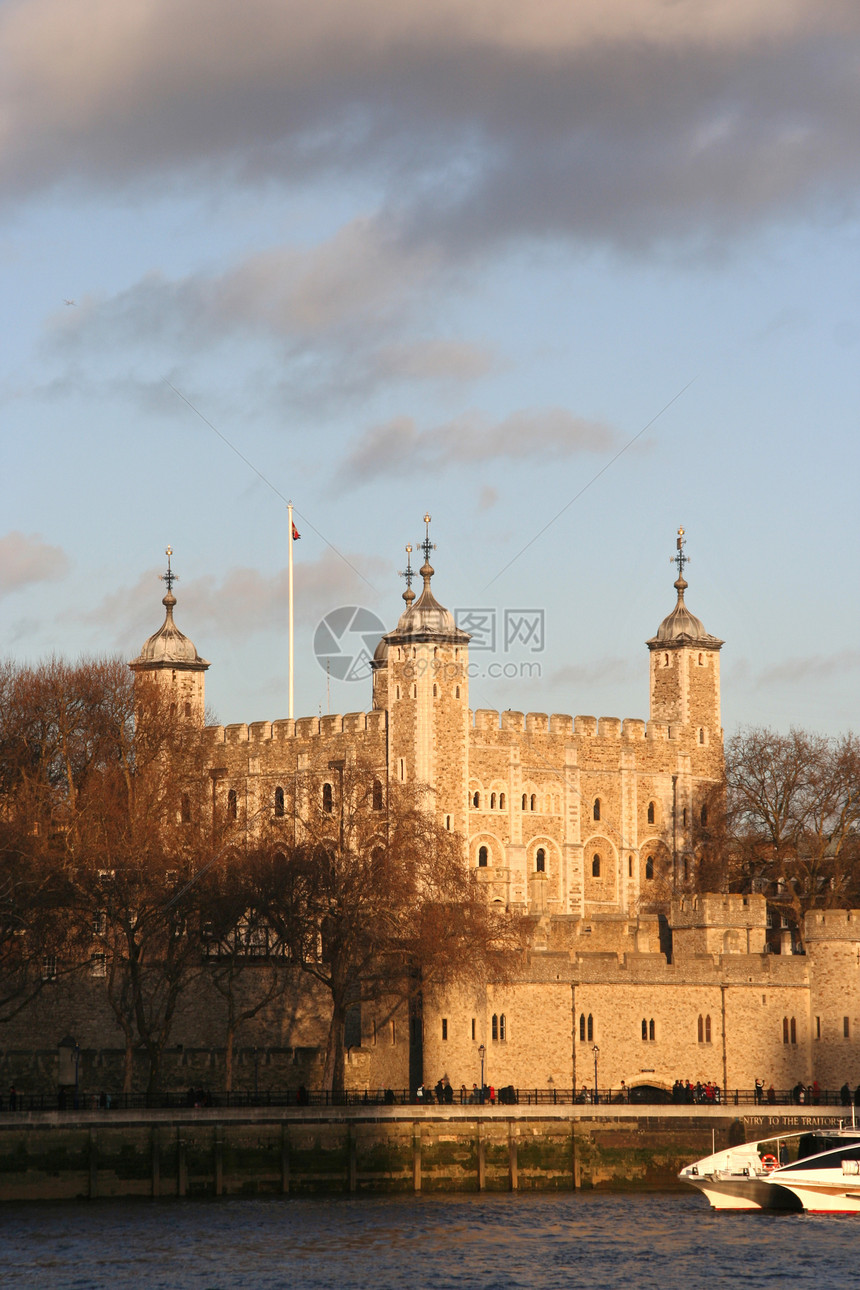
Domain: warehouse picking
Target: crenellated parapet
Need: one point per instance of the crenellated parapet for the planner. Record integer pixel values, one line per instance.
(266, 732)
(831, 925)
(610, 728)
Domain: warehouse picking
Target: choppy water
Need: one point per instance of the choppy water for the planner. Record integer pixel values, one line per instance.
(669, 1242)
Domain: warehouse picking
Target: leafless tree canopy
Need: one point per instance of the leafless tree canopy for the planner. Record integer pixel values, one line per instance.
(793, 817)
(113, 864)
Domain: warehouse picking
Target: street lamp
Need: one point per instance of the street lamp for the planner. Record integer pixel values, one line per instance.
(596, 1052)
(482, 1052)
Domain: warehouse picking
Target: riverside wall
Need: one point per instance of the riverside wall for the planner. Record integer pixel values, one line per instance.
(307, 1151)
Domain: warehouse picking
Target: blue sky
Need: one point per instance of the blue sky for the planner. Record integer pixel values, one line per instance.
(447, 257)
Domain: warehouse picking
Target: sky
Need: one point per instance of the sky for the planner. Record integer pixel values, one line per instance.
(563, 275)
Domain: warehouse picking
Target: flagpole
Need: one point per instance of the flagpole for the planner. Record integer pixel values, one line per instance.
(290, 525)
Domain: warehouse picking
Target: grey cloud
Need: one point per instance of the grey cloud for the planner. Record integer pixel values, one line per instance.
(244, 602)
(398, 447)
(339, 318)
(595, 673)
(622, 121)
(816, 667)
(26, 559)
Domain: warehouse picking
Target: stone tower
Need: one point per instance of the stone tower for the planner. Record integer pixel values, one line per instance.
(171, 660)
(685, 702)
(421, 676)
(685, 669)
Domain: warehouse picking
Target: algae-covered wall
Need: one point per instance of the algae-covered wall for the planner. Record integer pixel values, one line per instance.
(398, 1149)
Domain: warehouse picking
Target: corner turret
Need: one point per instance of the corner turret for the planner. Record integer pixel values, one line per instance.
(171, 659)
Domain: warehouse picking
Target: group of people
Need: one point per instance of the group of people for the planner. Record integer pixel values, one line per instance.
(443, 1093)
(709, 1093)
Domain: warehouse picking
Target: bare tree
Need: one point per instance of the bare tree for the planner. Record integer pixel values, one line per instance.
(245, 957)
(793, 817)
(376, 899)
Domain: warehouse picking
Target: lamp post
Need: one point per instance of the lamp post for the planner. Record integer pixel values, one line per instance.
(596, 1052)
(482, 1052)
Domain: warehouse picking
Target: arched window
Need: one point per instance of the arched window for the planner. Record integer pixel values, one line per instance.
(376, 795)
(701, 1029)
(582, 1027)
(596, 811)
(701, 736)
(651, 813)
(187, 708)
(534, 801)
(651, 1029)
(495, 1027)
(435, 691)
(645, 1029)
(327, 799)
(590, 1027)
(708, 1029)
(525, 802)
(793, 1031)
(476, 800)
(595, 866)
(279, 801)
(540, 861)
(482, 857)
(503, 1029)
(629, 866)
(492, 801)
(501, 801)
(785, 1030)
(456, 691)
(232, 804)
(185, 809)
(701, 660)
(649, 867)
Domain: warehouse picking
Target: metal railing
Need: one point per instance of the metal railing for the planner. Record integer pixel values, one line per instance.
(72, 1100)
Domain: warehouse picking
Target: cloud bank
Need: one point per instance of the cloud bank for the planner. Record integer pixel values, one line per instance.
(26, 559)
(623, 121)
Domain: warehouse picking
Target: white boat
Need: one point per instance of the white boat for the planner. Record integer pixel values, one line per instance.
(757, 1175)
(827, 1183)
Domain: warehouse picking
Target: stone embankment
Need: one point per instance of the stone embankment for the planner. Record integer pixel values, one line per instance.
(305, 1151)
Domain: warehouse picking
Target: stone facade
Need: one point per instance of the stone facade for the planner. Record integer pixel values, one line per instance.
(593, 828)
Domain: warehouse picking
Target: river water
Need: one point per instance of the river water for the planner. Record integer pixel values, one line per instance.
(661, 1241)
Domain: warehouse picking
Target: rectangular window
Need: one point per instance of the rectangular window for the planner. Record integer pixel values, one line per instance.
(99, 967)
(846, 1028)
(817, 1027)
(393, 1033)
(49, 967)
(444, 1027)
(473, 1029)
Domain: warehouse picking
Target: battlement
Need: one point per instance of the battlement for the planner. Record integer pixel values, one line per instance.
(558, 723)
(713, 909)
(831, 925)
(351, 723)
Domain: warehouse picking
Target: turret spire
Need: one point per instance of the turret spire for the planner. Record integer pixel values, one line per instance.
(681, 625)
(681, 558)
(427, 546)
(170, 577)
(408, 573)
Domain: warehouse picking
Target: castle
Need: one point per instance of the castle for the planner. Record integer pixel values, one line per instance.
(592, 827)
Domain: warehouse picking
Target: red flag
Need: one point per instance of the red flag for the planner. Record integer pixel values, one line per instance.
(296, 534)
